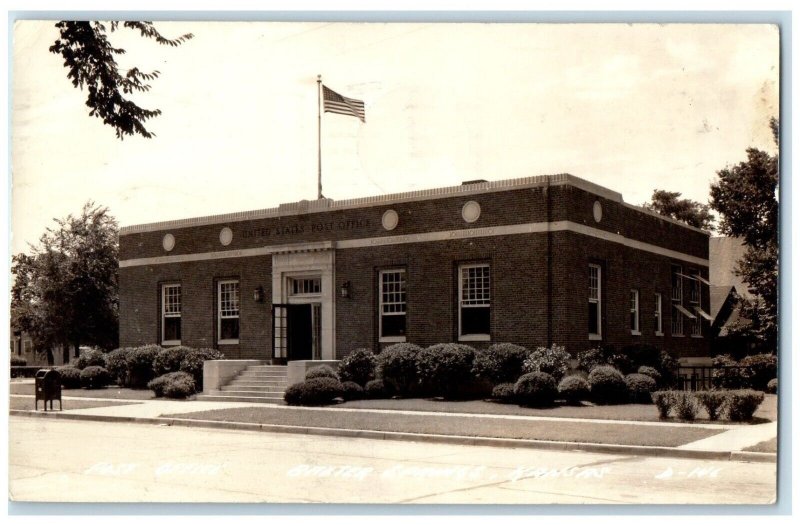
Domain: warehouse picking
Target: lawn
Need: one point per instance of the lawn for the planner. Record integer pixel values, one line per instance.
(473, 426)
(767, 446)
(26, 403)
(768, 411)
(113, 392)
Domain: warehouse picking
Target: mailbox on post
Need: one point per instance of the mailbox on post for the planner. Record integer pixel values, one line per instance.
(48, 388)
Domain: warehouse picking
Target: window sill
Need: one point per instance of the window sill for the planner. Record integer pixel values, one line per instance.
(697, 337)
(474, 338)
(392, 339)
(636, 333)
(228, 342)
(678, 335)
(171, 342)
(595, 337)
(659, 333)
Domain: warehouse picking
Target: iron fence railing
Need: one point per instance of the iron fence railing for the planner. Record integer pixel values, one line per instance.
(703, 377)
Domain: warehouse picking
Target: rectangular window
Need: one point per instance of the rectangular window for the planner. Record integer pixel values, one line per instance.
(28, 347)
(228, 311)
(677, 300)
(635, 312)
(305, 286)
(474, 299)
(392, 309)
(694, 304)
(595, 286)
(659, 328)
(171, 314)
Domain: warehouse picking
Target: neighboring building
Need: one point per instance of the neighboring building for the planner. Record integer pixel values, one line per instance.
(726, 290)
(22, 347)
(533, 261)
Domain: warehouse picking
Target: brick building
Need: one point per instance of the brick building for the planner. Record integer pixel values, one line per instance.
(533, 261)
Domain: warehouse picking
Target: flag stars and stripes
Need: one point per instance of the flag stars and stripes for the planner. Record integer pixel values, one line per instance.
(335, 103)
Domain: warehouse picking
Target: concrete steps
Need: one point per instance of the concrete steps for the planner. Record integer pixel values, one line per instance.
(257, 383)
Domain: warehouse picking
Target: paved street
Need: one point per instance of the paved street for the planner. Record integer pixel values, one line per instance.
(59, 460)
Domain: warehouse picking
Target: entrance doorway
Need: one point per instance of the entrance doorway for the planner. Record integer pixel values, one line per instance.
(296, 331)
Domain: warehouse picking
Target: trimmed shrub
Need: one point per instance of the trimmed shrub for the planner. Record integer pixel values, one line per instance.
(504, 393)
(685, 405)
(726, 374)
(772, 386)
(536, 389)
(445, 370)
(352, 391)
(761, 368)
(742, 404)
(18, 361)
(553, 360)
(500, 363)
(712, 402)
(323, 371)
(668, 369)
(574, 389)
(94, 377)
(639, 388)
(397, 367)
(607, 385)
(651, 372)
(358, 367)
(621, 363)
(140, 365)
(70, 377)
(192, 363)
(664, 401)
(589, 359)
(117, 366)
(176, 384)
(642, 354)
(322, 390)
(376, 389)
(90, 357)
(168, 360)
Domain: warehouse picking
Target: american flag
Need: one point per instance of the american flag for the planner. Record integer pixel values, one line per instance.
(335, 103)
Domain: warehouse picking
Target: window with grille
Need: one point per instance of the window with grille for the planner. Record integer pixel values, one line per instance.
(301, 286)
(595, 320)
(228, 311)
(694, 302)
(677, 300)
(392, 308)
(635, 312)
(171, 314)
(474, 298)
(657, 314)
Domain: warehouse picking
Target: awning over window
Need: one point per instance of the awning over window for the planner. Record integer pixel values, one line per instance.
(702, 279)
(685, 312)
(703, 313)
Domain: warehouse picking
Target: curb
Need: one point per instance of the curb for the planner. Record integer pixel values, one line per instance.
(651, 451)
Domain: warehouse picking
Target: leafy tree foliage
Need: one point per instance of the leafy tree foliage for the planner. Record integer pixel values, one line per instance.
(746, 198)
(690, 212)
(65, 291)
(91, 62)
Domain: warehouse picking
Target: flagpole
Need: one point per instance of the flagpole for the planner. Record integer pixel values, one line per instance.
(319, 137)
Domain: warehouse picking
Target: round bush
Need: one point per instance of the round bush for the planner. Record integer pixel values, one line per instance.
(445, 370)
(607, 385)
(352, 391)
(90, 357)
(639, 388)
(169, 360)
(553, 360)
(173, 385)
(574, 389)
(500, 363)
(761, 368)
(535, 389)
(358, 367)
(18, 361)
(323, 371)
(621, 363)
(726, 373)
(192, 363)
(376, 389)
(94, 377)
(320, 391)
(712, 401)
(591, 358)
(70, 377)
(772, 386)
(293, 395)
(504, 393)
(117, 366)
(742, 404)
(652, 372)
(397, 367)
(140, 365)
(668, 369)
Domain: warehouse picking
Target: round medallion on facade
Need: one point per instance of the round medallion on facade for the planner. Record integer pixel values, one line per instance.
(471, 211)
(597, 210)
(226, 236)
(390, 220)
(168, 242)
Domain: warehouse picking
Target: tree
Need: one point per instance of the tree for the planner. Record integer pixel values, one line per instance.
(65, 291)
(747, 200)
(690, 212)
(90, 60)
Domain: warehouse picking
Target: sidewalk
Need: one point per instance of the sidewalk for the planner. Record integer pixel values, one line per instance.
(728, 443)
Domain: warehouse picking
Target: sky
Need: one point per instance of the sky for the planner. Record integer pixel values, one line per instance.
(632, 107)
